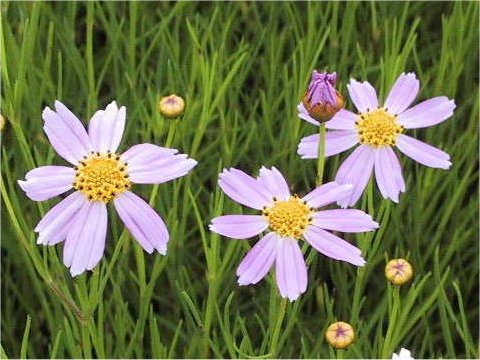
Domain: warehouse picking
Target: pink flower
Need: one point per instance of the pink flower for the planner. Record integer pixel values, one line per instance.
(378, 130)
(99, 175)
(287, 219)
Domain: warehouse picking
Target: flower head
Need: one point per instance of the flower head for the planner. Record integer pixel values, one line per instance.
(287, 219)
(171, 106)
(322, 100)
(340, 335)
(398, 271)
(378, 130)
(404, 354)
(99, 175)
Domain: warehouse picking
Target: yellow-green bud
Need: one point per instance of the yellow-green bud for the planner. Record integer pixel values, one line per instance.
(171, 106)
(398, 271)
(340, 335)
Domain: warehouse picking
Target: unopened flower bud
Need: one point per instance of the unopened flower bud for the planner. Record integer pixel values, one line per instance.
(322, 100)
(398, 271)
(340, 335)
(171, 106)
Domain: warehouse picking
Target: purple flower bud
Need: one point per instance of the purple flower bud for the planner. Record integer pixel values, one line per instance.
(322, 100)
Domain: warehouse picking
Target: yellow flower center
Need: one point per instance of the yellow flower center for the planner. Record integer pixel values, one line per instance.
(378, 128)
(101, 176)
(288, 218)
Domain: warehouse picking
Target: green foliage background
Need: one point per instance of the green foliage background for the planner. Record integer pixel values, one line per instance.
(242, 68)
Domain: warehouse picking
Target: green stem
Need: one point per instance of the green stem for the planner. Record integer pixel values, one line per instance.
(171, 132)
(321, 153)
(276, 331)
(359, 281)
(388, 345)
(209, 312)
(92, 97)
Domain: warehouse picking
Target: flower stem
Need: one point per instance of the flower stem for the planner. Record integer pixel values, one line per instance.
(171, 133)
(276, 331)
(321, 154)
(394, 312)
(359, 281)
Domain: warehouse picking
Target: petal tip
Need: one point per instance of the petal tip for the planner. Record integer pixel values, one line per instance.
(46, 111)
(75, 272)
(57, 103)
(21, 183)
(241, 282)
(361, 262)
(162, 251)
(113, 104)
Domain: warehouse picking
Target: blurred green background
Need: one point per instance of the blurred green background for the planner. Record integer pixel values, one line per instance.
(242, 68)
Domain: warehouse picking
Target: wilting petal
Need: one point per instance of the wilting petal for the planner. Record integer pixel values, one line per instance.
(244, 189)
(335, 143)
(423, 153)
(46, 182)
(363, 95)
(86, 239)
(402, 94)
(428, 113)
(356, 170)
(342, 120)
(388, 173)
(290, 269)
(303, 114)
(54, 226)
(151, 164)
(274, 183)
(256, 264)
(333, 246)
(327, 194)
(66, 133)
(239, 226)
(144, 223)
(106, 128)
(345, 220)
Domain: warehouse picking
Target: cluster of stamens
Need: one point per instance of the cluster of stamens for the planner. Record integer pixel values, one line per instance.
(101, 176)
(288, 218)
(378, 128)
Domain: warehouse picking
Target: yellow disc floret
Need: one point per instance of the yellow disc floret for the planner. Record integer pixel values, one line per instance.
(288, 218)
(101, 176)
(378, 128)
